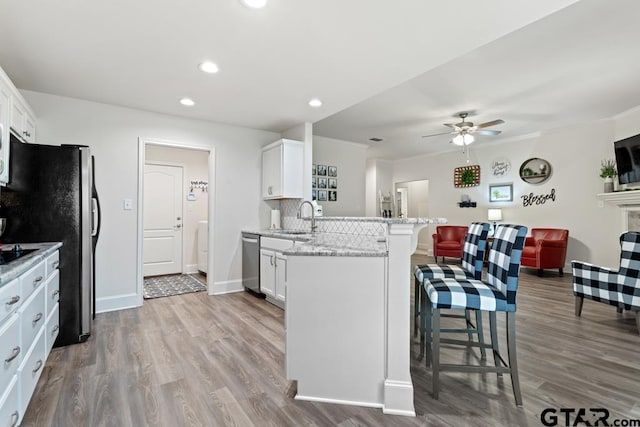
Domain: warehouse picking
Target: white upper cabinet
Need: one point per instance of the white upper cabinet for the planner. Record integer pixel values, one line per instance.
(5, 99)
(15, 117)
(23, 122)
(282, 170)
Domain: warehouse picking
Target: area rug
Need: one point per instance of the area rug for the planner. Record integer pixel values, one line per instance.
(166, 286)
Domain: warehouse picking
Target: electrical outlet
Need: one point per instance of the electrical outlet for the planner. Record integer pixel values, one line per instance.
(127, 204)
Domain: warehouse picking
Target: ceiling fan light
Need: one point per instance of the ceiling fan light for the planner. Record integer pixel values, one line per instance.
(463, 139)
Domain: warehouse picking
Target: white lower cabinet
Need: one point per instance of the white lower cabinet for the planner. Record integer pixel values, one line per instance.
(10, 412)
(29, 326)
(268, 272)
(281, 276)
(11, 350)
(52, 328)
(31, 369)
(273, 269)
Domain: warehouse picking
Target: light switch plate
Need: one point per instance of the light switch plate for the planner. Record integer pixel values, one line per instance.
(127, 204)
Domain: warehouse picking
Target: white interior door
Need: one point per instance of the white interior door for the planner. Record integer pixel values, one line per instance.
(162, 247)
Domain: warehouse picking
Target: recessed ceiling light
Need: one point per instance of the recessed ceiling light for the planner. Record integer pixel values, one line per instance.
(255, 4)
(315, 102)
(209, 67)
(188, 102)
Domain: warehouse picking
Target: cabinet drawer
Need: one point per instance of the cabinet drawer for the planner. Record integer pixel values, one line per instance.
(52, 263)
(275, 244)
(31, 369)
(30, 280)
(52, 290)
(10, 404)
(32, 317)
(10, 298)
(52, 329)
(10, 351)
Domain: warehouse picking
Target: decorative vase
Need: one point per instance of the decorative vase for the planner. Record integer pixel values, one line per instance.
(608, 185)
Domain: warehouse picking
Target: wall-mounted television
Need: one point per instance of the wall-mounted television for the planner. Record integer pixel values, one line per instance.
(628, 159)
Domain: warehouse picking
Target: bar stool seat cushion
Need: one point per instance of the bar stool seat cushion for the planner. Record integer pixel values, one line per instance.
(429, 271)
(466, 295)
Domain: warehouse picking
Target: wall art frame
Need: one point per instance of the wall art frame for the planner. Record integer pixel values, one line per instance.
(466, 176)
(500, 193)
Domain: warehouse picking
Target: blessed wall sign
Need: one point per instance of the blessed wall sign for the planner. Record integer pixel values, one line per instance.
(538, 199)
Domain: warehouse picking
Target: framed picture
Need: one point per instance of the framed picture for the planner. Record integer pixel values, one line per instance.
(313, 182)
(322, 195)
(313, 169)
(333, 183)
(314, 195)
(333, 171)
(322, 182)
(501, 193)
(333, 196)
(322, 170)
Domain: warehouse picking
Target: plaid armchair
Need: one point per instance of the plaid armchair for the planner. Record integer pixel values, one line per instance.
(618, 288)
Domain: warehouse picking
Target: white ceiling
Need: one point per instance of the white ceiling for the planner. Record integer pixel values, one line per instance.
(144, 54)
(577, 65)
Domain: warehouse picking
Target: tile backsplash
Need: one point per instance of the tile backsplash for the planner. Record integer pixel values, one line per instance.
(290, 221)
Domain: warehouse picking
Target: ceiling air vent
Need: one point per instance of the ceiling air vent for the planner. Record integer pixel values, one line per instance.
(376, 139)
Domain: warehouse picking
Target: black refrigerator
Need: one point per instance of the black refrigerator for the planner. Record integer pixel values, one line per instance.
(50, 197)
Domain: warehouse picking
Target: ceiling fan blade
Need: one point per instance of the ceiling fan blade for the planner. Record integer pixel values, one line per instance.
(438, 134)
(487, 124)
(488, 132)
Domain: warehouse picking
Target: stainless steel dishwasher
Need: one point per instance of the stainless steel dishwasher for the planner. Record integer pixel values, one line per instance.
(251, 261)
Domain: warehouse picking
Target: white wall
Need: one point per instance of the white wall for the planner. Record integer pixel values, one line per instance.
(379, 177)
(350, 159)
(112, 132)
(574, 153)
(195, 165)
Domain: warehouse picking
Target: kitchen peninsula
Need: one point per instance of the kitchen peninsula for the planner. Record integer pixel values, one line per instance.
(348, 312)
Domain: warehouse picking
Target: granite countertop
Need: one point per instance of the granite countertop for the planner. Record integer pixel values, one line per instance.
(299, 235)
(328, 244)
(10, 271)
(383, 220)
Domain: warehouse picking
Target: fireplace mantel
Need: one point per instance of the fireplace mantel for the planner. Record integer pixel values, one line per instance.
(621, 198)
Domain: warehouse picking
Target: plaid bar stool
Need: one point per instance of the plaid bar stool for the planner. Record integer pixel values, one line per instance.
(472, 263)
(496, 293)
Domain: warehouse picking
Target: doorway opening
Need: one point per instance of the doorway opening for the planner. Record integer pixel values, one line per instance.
(175, 205)
(412, 201)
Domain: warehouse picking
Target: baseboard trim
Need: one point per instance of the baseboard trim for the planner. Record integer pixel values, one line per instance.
(226, 287)
(118, 302)
(398, 398)
(338, 401)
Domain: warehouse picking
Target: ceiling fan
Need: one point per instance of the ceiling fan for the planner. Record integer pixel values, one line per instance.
(464, 130)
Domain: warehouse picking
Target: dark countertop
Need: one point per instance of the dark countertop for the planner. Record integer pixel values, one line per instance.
(10, 271)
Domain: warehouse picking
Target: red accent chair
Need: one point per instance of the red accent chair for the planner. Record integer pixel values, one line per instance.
(448, 240)
(545, 248)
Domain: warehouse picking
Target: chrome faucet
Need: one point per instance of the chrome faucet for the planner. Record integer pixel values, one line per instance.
(313, 215)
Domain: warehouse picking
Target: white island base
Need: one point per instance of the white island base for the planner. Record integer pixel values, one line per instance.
(335, 328)
(348, 320)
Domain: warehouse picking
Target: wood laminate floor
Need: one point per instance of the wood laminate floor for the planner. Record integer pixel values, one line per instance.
(198, 360)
